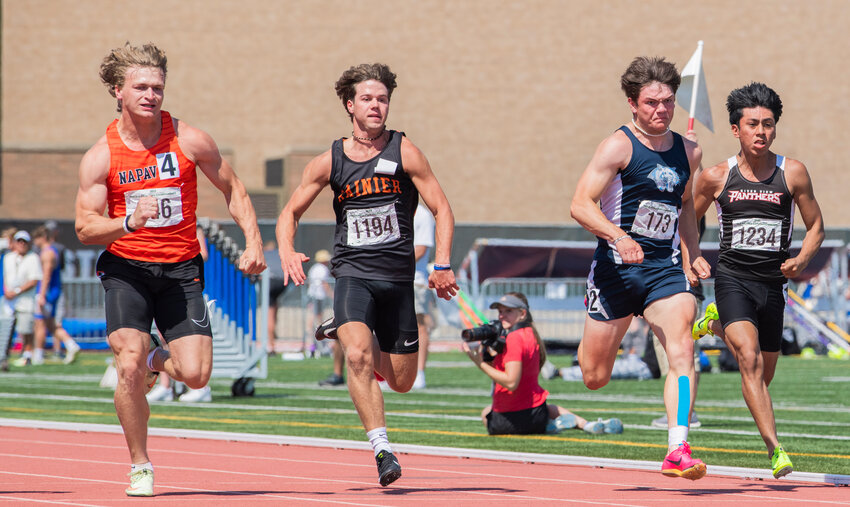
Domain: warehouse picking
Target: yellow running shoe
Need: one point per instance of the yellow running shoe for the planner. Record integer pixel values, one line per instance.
(701, 326)
(141, 483)
(781, 463)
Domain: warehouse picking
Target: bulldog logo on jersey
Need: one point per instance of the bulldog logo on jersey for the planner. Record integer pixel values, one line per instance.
(665, 178)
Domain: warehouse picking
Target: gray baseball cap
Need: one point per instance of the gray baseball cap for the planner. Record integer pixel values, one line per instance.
(509, 301)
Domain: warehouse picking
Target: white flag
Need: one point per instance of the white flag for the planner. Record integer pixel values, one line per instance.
(693, 93)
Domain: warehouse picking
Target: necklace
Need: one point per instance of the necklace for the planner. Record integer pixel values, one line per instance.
(368, 138)
(642, 131)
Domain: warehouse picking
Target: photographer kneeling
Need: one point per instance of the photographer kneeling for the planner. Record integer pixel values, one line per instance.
(511, 353)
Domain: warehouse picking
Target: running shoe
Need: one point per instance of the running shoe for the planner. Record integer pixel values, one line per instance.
(561, 423)
(388, 468)
(595, 427)
(613, 426)
(701, 326)
(679, 463)
(780, 462)
(71, 353)
(141, 483)
(332, 380)
(326, 330)
(202, 395)
(160, 393)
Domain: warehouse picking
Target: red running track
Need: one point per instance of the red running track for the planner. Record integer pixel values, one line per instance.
(48, 466)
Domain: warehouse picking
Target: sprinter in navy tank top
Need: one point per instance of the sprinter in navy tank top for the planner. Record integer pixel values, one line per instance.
(377, 176)
(635, 196)
(755, 193)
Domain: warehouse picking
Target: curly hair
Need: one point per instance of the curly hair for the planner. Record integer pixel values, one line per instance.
(345, 85)
(644, 70)
(114, 67)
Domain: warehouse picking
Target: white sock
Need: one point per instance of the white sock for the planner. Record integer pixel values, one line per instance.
(38, 354)
(378, 438)
(676, 435)
(135, 468)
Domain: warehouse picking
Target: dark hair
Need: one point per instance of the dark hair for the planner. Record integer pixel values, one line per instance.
(752, 95)
(644, 70)
(364, 72)
(530, 320)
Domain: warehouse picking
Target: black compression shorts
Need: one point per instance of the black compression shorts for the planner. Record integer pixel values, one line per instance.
(762, 303)
(139, 293)
(386, 307)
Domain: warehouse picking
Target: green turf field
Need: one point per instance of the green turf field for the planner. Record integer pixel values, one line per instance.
(810, 397)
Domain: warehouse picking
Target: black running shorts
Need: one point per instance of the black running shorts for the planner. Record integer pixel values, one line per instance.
(531, 421)
(139, 293)
(386, 307)
(762, 303)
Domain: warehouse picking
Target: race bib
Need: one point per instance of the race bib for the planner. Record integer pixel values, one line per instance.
(756, 234)
(655, 220)
(170, 205)
(594, 305)
(372, 226)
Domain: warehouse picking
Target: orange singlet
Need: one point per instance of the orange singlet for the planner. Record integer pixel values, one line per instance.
(164, 172)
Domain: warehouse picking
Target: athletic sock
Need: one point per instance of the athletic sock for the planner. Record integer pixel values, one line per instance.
(135, 468)
(676, 435)
(38, 355)
(378, 438)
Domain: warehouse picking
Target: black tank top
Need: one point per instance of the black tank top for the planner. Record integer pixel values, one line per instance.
(374, 203)
(756, 222)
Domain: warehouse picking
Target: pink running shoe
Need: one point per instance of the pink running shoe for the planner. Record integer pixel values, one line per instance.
(679, 463)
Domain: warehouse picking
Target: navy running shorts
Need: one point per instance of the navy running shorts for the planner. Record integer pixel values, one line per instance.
(762, 303)
(615, 291)
(531, 421)
(385, 307)
(139, 293)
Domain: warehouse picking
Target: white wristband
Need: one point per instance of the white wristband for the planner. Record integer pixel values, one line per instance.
(624, 236)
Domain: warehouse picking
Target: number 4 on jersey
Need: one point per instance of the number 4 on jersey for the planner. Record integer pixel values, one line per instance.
(168, 166)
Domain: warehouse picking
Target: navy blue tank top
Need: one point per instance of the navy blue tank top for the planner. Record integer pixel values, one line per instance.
(756, 222)
(374, 203)
(645, 200)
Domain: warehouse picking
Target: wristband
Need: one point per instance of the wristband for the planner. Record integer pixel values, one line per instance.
(624, 236)
(127, 224)
(16, 290)
(442, 267)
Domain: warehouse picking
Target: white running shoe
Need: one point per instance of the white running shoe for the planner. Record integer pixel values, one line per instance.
(141, 483)
(202, 395)
(419, 383)
(160, 393)
(71, 353)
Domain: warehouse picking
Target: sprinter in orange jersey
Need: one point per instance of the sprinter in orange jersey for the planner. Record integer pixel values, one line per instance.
(143, 173)
(377, 176)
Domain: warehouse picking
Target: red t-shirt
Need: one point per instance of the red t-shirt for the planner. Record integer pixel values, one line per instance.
(520, 346)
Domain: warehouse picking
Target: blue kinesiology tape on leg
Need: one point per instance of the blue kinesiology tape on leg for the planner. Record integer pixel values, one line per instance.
(683, 412)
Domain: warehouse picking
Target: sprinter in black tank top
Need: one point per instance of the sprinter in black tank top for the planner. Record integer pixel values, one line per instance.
(377, 176)
(756, 192)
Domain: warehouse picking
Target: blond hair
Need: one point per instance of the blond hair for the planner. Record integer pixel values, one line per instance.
(114, 67)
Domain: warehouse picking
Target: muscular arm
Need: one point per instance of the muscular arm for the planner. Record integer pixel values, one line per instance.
(316, 176)
(91, 226)
(611, 155)
(417, 167)
(694, 263)
(800, 184)
(200, 147)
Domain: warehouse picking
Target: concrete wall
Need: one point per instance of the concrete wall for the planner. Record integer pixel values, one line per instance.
(507, 99)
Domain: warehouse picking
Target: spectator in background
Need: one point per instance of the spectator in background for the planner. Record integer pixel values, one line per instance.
(276, 289)
(319, 290)
(21, 274)
(423, 242)
(49, 301)
(519, 403)
(6, 310)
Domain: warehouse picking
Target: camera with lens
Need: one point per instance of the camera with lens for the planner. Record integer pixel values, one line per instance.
(492, 337)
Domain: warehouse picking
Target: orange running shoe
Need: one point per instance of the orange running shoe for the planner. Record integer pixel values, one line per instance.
(679, 463)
